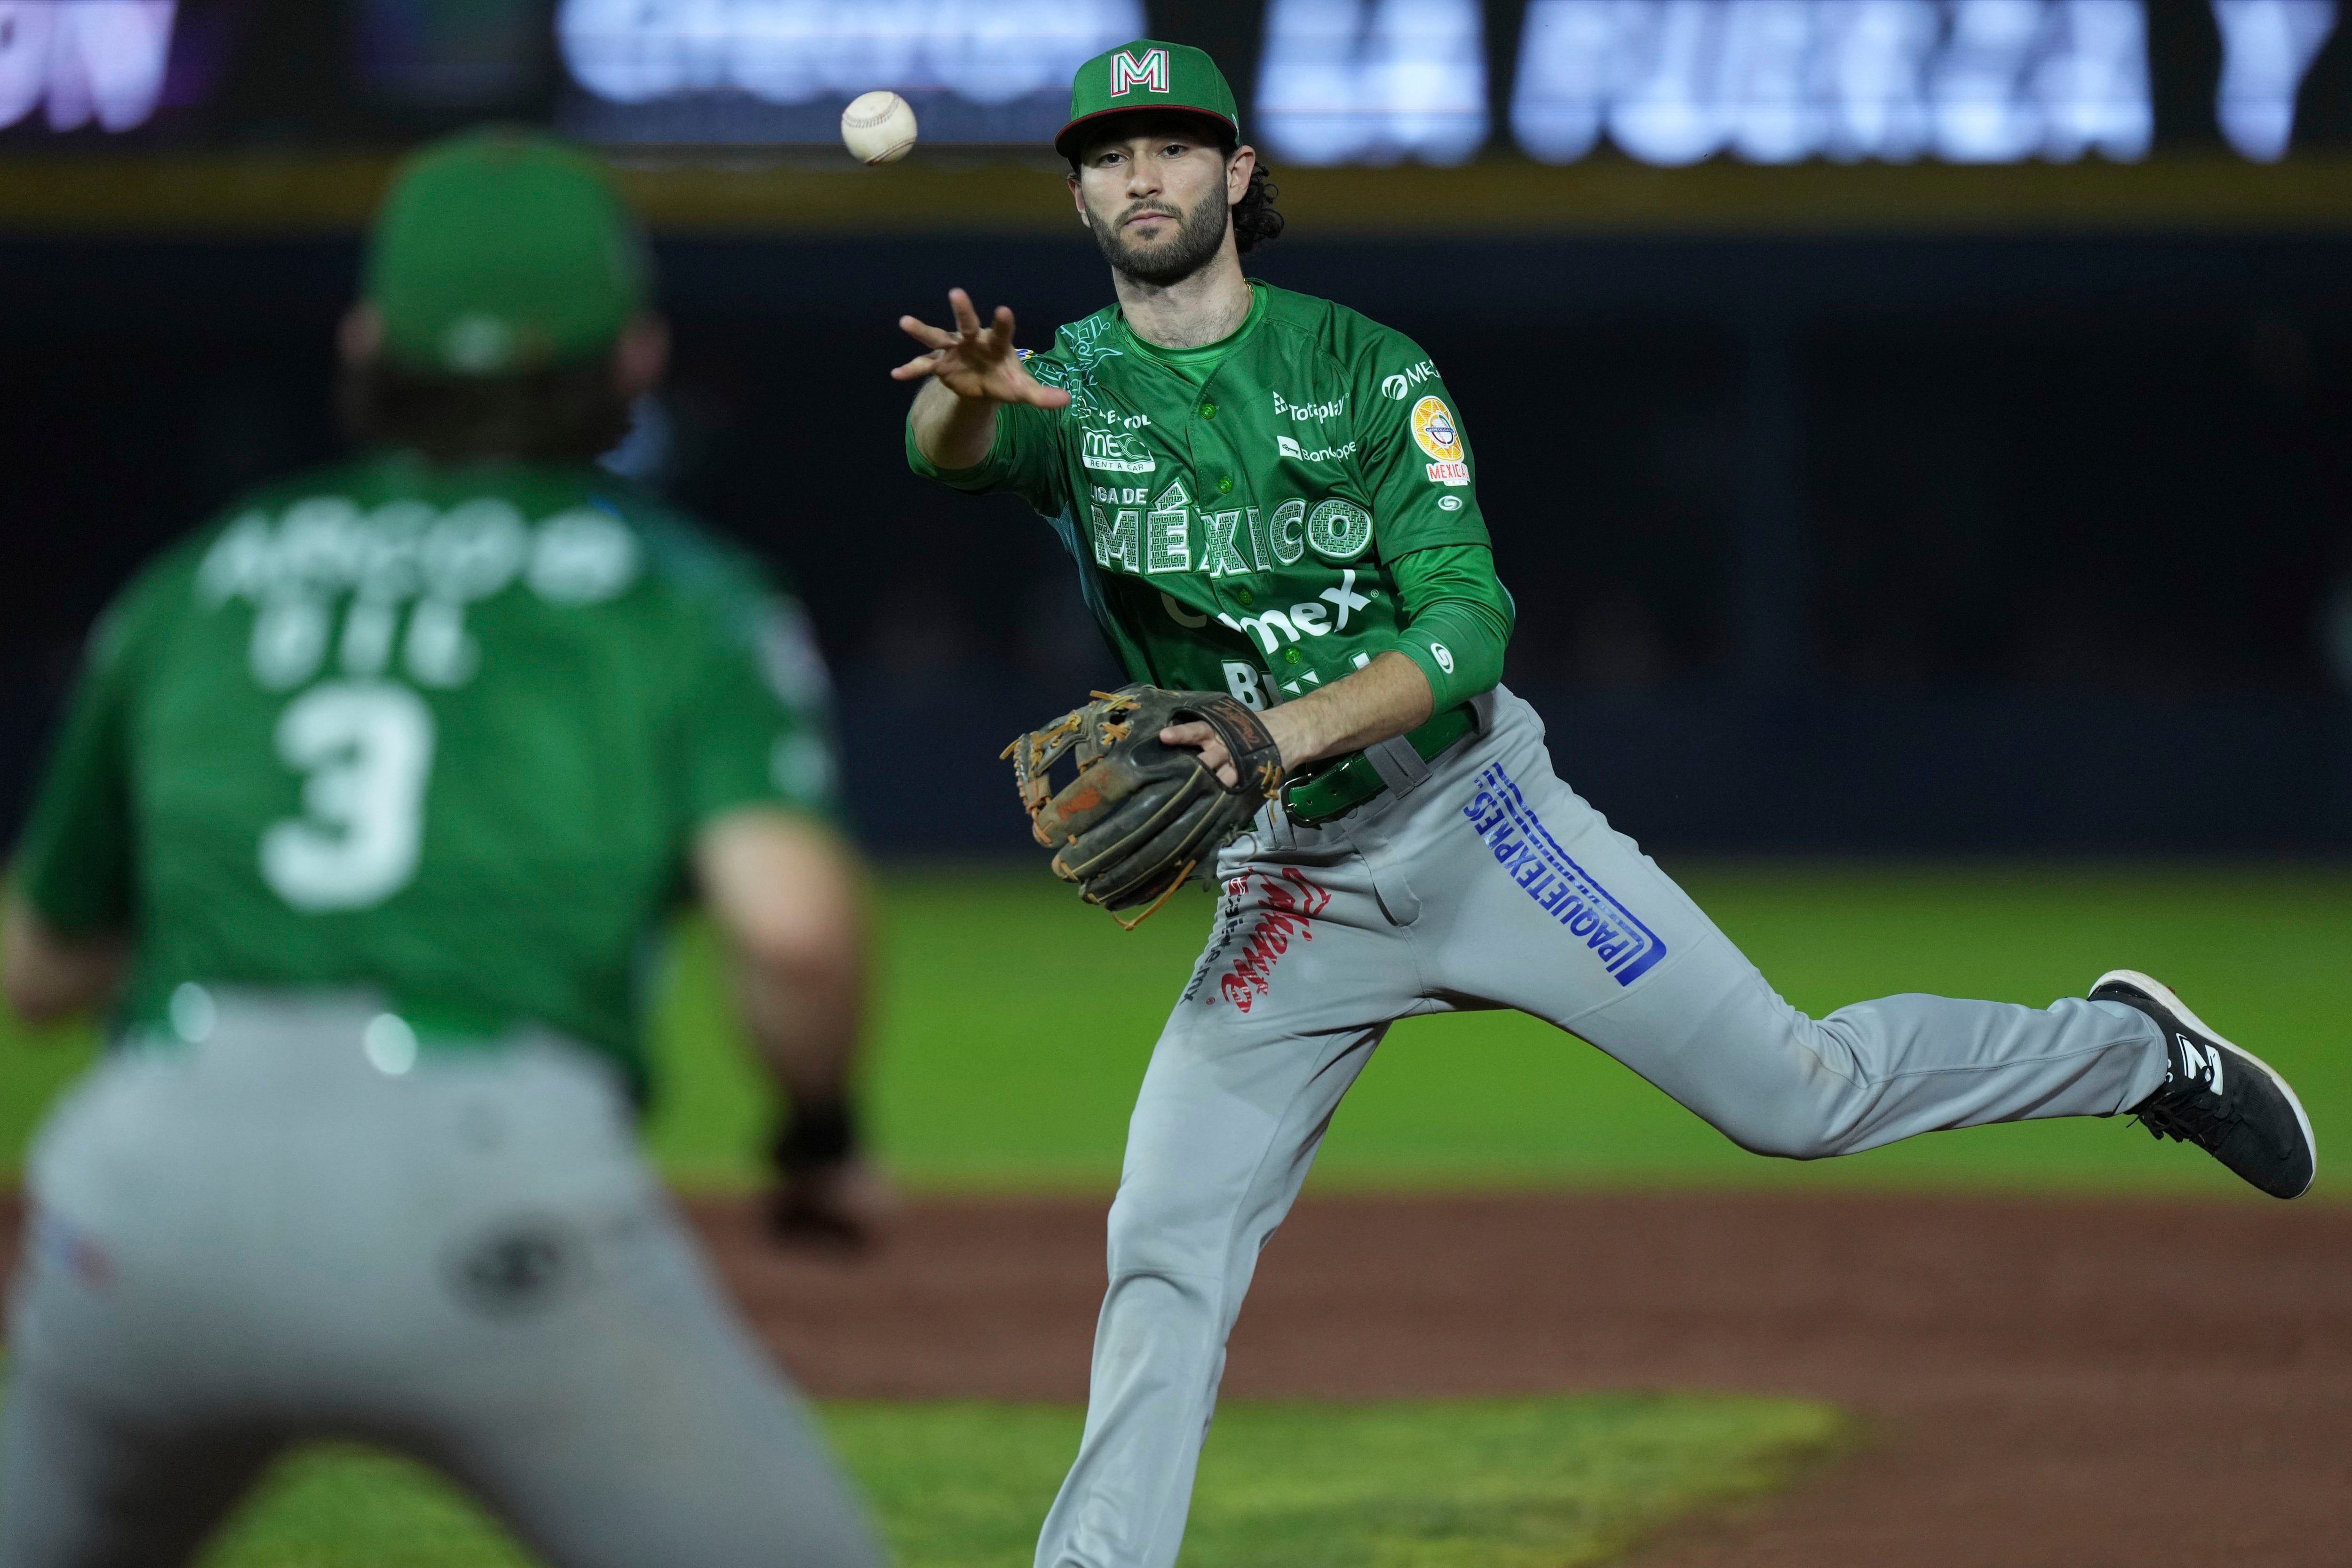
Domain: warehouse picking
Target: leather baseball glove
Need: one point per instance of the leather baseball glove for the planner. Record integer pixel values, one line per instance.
(1139, 816)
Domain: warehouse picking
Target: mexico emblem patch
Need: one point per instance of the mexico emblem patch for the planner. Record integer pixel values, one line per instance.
(1434, 431)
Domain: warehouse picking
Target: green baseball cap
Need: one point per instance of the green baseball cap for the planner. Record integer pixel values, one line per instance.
(503, 250)
(1148, 74)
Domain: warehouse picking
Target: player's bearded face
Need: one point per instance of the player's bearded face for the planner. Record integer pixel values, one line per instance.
(1192, 230)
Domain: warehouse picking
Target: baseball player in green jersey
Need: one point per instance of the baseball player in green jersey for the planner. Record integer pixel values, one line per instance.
(372, 799)
(1268, 495)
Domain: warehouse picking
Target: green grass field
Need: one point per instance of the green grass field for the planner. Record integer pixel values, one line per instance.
(1521, 1483)
(991, 1074)
(1013, 1025)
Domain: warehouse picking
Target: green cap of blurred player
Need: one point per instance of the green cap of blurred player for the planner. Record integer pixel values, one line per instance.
(501, 251)
(1148, 74)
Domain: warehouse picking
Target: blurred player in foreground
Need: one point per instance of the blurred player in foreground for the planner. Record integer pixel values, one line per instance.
(1270, 500)
(371, 800)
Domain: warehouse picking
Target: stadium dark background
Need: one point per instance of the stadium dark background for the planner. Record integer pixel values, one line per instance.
(1852, 543)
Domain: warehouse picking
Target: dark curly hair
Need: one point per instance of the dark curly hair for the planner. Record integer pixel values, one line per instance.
(1256, 218)
(563, 412)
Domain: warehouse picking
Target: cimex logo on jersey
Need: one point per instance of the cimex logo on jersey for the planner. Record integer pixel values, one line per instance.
(1399, 387)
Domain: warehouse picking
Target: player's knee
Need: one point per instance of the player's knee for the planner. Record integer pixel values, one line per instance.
(1169, 1228)
(1802, 1126)
(1787, 1143)
(1799, 1095)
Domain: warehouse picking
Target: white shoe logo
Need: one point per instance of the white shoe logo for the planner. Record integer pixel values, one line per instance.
(2200, 1063)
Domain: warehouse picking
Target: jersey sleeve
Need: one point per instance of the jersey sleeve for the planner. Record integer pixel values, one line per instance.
(757, 726)
(1457, 619)
(1416, 456)
(1025, 458)
(75, 862)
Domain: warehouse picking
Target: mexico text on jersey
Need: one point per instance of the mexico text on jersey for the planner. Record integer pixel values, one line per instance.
(1235, 521)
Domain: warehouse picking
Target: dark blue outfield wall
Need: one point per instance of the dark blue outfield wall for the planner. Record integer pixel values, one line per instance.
(1713, 771)
(1746, 741)
(1845, 481)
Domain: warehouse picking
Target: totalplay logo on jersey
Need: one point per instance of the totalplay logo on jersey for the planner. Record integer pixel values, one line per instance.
(1435, 429)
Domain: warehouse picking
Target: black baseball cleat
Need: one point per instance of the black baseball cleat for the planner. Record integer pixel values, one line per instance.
(2226, 1101)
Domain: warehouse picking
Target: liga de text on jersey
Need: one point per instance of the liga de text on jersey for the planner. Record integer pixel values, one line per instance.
(1237, 534)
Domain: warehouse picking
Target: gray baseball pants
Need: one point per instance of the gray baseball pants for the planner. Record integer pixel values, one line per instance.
(1477, 880)
(263, 1239)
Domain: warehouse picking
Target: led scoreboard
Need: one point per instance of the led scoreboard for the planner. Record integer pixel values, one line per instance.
(1770, 81)
(782, 71)
(100, 64)
(1324, 81)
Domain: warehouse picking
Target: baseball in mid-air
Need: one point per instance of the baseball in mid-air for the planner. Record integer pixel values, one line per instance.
(877, 127)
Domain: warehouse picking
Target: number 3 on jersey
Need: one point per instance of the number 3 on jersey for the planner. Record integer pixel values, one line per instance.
(367, 748)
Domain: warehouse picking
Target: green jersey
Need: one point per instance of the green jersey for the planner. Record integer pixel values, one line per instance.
(1237, 517)
(442, 733)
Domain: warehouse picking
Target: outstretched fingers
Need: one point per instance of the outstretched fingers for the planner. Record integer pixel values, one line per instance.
(926, 334)
(916, 368)
(984, 354)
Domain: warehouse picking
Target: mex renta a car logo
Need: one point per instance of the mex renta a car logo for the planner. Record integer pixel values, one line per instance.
(1150, 73)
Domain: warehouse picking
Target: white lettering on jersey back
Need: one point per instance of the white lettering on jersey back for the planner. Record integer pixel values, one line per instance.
(582, 557)
(294, 570)
(366, 747)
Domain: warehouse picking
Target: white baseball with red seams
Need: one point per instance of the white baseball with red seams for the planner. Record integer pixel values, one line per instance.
(878, 127)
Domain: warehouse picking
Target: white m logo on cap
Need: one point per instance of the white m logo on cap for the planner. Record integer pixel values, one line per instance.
(1151, 72)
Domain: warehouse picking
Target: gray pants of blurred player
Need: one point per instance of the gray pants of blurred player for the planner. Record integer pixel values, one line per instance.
(1483, 883)
(263, 1239)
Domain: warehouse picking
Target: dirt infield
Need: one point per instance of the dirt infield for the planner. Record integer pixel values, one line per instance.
(2046, 1384)
(2059, 1384)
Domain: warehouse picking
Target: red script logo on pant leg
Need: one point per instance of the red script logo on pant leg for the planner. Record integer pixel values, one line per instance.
(1257, 932)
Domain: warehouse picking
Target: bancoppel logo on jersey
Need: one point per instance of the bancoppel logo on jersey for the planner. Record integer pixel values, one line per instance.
(1434, 431)
(1399, 387)
(1115, 452)
(1285, 447)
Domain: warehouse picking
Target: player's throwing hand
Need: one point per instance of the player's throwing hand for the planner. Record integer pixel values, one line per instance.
(974, 360)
